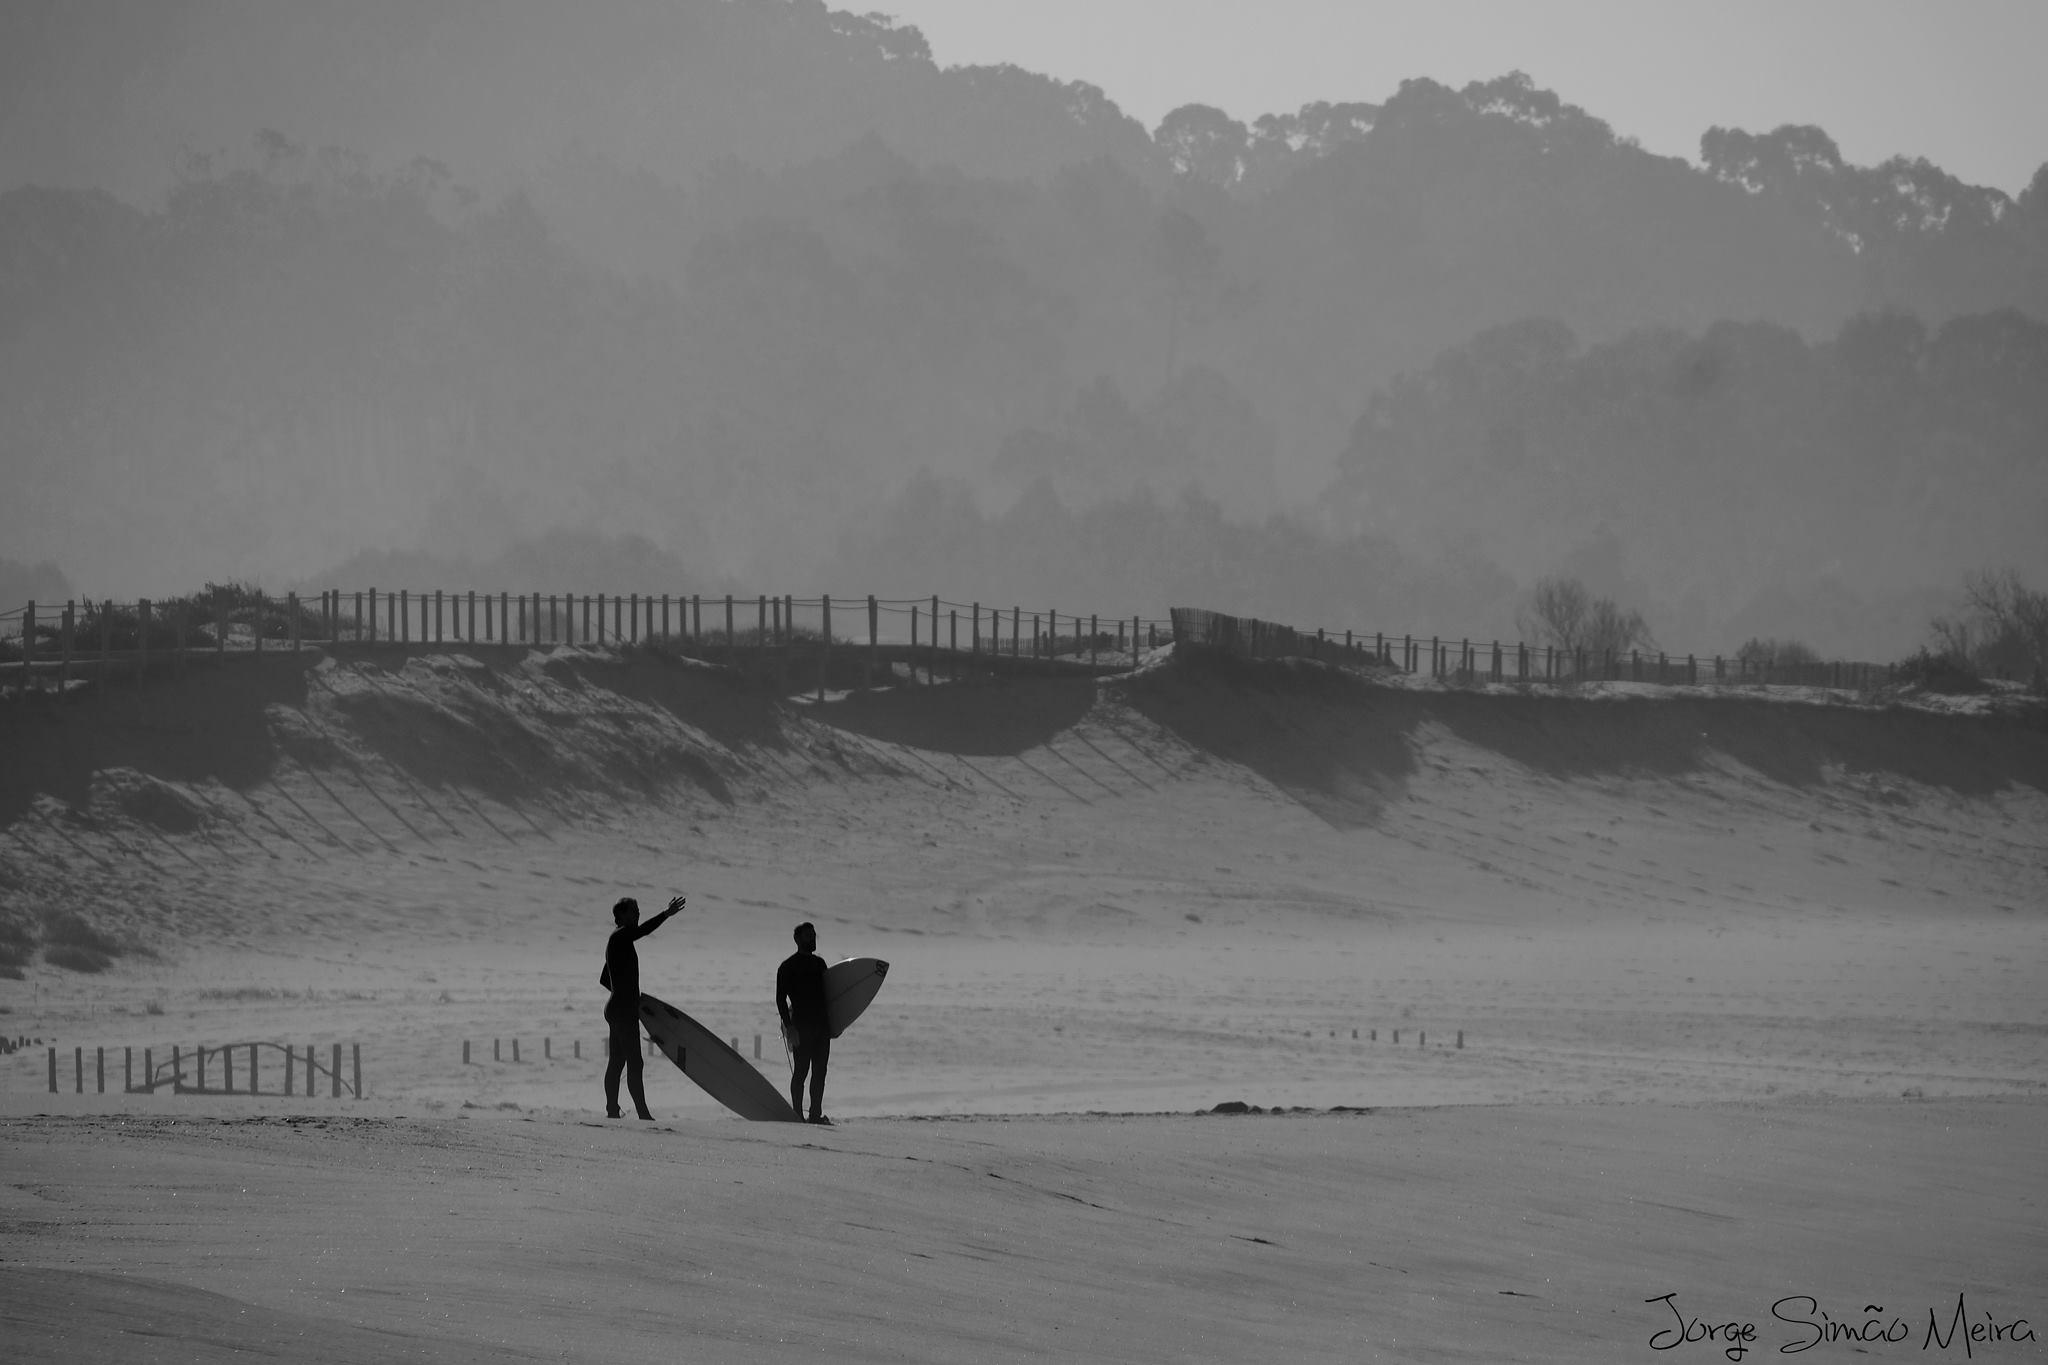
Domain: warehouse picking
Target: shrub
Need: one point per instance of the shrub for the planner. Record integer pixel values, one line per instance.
(76, 959)
(1950, 674)
(68, 930)
(17, 946)
(1773, 651)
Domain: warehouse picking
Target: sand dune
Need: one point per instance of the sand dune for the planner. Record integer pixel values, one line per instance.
(1681, 934)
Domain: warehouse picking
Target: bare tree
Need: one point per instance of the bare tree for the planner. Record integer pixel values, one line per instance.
(2002, 630)
(1611, 630)
(1555, 613)
(1561, 612)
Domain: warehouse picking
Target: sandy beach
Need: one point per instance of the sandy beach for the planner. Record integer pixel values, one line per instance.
(1540, 1006)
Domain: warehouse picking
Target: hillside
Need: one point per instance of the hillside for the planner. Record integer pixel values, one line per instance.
(736, 277)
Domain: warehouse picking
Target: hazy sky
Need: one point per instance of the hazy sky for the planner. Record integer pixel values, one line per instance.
(1961, 83)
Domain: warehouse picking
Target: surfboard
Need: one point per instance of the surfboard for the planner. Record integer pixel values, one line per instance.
(709, 1060)
(850, 987)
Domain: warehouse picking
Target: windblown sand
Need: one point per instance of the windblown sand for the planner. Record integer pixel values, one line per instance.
(1750, 994)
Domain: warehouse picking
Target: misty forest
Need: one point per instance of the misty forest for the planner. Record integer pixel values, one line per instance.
(750, 295)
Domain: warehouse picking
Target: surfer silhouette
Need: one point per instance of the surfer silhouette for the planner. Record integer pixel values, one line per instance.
(800, 1000)
(621, 976)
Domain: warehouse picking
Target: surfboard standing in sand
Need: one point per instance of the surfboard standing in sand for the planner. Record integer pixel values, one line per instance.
(621, 976)
(708, 1060)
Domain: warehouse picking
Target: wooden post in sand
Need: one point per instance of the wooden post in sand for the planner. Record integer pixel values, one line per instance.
(337, 1071)
(356, 1067)
(291, 1055)
(825, 647)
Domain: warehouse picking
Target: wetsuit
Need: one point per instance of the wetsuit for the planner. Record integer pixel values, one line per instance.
(622, 1015)
(800, 999)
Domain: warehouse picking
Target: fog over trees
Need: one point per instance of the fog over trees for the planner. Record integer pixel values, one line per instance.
(751, 295)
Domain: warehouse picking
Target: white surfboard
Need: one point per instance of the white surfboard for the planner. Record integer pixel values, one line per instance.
(708, 1060)
(850, 986)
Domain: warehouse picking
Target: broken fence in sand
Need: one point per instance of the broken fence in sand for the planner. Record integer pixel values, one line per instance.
(185, 1073)
(1476, 661)
(547, 1049)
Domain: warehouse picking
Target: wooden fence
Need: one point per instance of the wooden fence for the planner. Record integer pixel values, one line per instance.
(1470, 661)
(849, 641)
(185, 1073)
(927, 637)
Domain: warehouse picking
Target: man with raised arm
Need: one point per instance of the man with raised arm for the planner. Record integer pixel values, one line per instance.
(621, 976)
(800, 1000)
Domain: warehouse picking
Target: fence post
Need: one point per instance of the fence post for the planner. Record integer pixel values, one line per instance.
(825, 647)
(696, 620)
(53, 1071)
(356, 1068)
(874, 630)
(127, 1069)
(100, 1068)
(291, 1055)
(64, 633)
(974, 632)
(148, 1071)
(337, 1071)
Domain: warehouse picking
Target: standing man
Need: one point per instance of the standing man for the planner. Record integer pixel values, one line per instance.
(800, 1000)
(621, 976)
